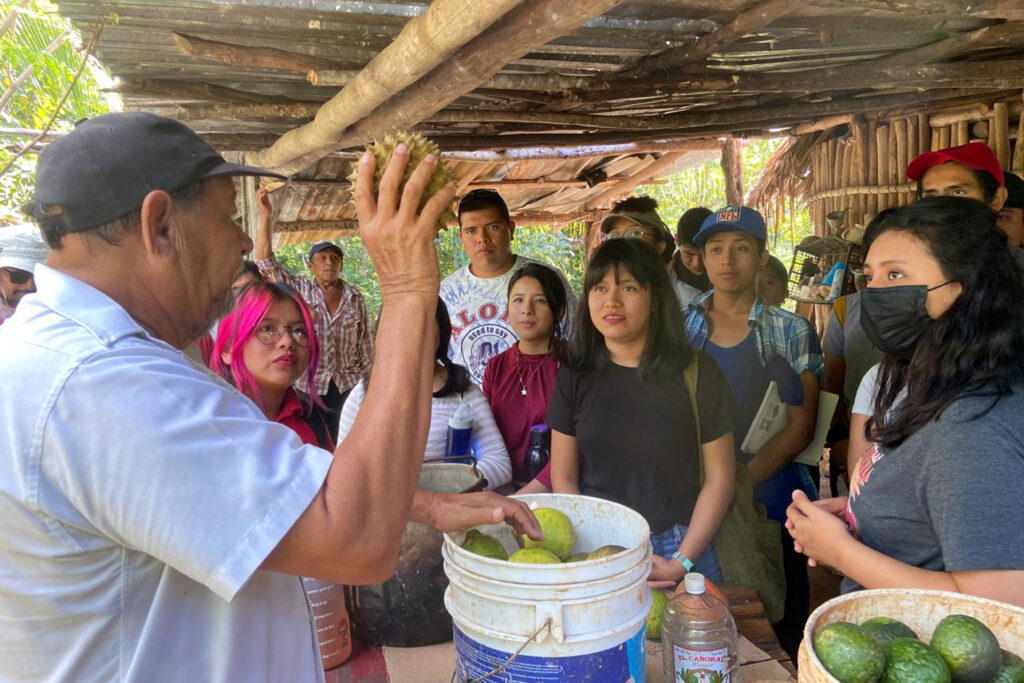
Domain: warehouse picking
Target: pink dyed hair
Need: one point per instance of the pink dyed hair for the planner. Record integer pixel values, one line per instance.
(239, 326)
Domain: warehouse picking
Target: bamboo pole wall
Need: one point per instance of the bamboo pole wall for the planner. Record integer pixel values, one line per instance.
(860, 168)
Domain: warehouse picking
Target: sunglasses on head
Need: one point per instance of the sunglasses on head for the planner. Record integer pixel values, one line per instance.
(17, 276)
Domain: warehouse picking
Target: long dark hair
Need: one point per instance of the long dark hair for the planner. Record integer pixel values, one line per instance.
(974, 348)
(667, 352)
(458, 376)
(554, 291)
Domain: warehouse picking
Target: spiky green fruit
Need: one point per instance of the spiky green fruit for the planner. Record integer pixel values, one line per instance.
(419, 148)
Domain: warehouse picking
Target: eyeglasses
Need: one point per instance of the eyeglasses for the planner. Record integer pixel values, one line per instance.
(270, 334)
(17, 276)
(629, 235)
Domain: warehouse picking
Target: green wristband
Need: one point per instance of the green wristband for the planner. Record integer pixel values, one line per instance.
(685, 561)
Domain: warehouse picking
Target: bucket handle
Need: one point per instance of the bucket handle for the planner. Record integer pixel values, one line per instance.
(547, 624)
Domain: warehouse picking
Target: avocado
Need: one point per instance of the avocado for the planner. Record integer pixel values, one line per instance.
(849, 653)
(1012, 670)
(605, 551)
(483, 544)
(884, 629)
(577, 557)
(908, 660)
(658, 601)
(534, 556)
(970, 649)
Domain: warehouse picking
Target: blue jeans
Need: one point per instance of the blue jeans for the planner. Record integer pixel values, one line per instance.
(667, 543)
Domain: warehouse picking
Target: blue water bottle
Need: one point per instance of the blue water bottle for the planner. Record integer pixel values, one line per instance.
(460, 432)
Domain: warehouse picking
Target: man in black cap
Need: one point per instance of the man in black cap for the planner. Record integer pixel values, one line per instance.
(155, 523)
(688, 264)
(346, 346)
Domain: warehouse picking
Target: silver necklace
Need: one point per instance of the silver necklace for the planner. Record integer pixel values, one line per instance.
(519, 371)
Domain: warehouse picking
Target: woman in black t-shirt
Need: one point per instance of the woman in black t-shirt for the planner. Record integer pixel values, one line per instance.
(623, 426)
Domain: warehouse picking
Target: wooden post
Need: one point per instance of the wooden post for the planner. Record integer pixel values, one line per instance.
(902, 152)
(944, 137)
(961, 135)
(1018, 155)
(892, 172)
(732, 167)
(882, 159)
(1001, 124)
(924, 133)
(871, 139)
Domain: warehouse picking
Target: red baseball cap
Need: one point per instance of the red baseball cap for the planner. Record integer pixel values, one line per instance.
(976, 155)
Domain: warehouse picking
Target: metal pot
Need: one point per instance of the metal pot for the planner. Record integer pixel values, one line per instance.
(408, 609)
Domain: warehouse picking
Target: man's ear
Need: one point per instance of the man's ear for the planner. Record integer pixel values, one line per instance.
(511, 230)
(225, 357)
(999, 198)
(156, 226)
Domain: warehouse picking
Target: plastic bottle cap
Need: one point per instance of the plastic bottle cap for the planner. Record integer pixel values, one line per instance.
(462, 418)
(694, 583)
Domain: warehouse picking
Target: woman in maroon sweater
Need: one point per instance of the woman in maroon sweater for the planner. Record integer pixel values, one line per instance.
(519, 381)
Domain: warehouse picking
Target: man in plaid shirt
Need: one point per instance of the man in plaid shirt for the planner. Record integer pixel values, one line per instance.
(346, 347)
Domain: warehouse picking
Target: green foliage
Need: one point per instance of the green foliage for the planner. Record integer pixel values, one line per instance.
(704, 185)
(35, 101)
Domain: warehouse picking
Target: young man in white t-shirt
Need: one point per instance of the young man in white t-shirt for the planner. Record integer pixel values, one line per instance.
(476, 295)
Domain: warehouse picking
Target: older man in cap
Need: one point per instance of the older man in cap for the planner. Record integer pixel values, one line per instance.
(346, 347)
(155, 523)
(21, 248)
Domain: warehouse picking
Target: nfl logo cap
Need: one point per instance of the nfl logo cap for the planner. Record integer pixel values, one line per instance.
(105, 167)
(729, 219)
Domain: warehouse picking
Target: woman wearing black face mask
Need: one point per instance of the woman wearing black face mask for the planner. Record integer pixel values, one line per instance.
(934, 502)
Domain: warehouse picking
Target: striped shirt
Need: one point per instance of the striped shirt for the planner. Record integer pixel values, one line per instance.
(346, 347)
(485, 441)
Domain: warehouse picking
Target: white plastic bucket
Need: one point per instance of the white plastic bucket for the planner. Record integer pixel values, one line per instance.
(586, 619)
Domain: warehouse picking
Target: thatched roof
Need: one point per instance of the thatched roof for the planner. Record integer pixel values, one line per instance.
(541, 95)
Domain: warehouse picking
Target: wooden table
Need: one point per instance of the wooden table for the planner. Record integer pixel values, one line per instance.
(367, 663)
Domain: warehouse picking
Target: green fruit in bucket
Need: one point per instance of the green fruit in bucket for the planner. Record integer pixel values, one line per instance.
(969, 648)
(484, 545)
(605, 551)
(577, 557)
(534, 556)
(559, 535)
(658, 601)
(908, 660)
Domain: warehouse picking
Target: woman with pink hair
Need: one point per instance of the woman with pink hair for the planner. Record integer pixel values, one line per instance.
(263, 346)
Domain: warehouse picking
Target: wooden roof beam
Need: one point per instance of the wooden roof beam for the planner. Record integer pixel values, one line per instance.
(1010, 33)
(252, 57)
(425, 42)
(754, 17)
(663, 165)
(535, 23)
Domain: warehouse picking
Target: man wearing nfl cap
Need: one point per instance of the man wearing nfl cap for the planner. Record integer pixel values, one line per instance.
(342, 329)
(154, 522)
(21, 248)
(755, 344)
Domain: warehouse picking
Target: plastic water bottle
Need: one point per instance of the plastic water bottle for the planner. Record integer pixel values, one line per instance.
(327, 602)
(460, 431)
(838, 278)
(698, 637)
(539, 454)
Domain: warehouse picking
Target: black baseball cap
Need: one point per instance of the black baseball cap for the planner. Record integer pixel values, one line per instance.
(1014, 191)
(320, 246)
(105, 167)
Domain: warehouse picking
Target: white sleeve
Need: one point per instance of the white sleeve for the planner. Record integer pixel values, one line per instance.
(864, 404)
(351, 409)
(187, 471)
(487, 442)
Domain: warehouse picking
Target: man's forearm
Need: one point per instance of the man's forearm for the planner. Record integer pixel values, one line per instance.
(382, 454)
(779, 451)
(262, 248)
